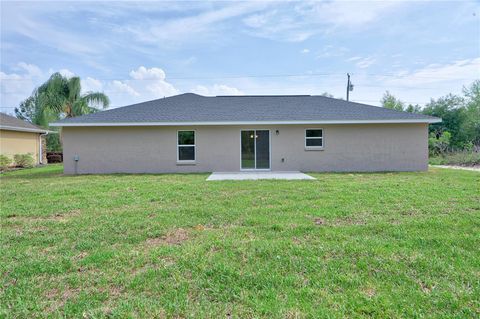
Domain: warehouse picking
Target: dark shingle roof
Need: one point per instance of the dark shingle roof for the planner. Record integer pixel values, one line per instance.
(193, 108)
(11, 123)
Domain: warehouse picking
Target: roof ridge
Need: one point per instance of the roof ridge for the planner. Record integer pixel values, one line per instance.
(264, 95)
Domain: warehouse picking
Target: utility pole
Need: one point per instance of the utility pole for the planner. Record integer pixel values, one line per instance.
(349, 86)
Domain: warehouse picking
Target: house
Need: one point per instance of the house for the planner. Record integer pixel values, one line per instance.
(21, 137)
(194, 133)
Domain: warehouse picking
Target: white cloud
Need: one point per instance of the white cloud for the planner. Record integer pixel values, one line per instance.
(66, 72)
(91, 85)
(29, 23)
(142, 73)
(329, 51)
(119, 87)
(189, 61)
(143, 84)
(364, 63)
(277, 25)
(259, 20)
(32, 70)
(305, 51)
(349, 14)
(216, 89)
(15, 87)
(462, 70)
(312, 17)
(153, 80)
(193, 27)
(354, 58)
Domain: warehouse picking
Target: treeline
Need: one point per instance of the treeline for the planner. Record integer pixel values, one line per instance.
(460, 126)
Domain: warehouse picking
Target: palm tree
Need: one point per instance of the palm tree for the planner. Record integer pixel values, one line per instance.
(62, 96)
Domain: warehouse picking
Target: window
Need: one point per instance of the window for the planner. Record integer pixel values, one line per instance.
(186, 146)
(314, 139)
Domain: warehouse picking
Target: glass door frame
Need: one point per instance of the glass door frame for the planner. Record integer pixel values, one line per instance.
(255, 150)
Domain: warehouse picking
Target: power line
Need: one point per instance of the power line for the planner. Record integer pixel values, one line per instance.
(396, 87)
(386, 87)
(208, 77)
(263, 76)
(411, 102)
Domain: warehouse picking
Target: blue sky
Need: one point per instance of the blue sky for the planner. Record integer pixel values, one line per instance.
(140, 51)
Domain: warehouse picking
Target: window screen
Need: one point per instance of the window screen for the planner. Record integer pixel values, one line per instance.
(186, 146)
(314, 138)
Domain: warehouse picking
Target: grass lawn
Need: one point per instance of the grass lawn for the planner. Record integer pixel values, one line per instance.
(345, 245)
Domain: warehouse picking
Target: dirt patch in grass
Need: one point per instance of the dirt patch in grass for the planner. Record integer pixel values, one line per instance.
(426, 288)
(345, 221)
(57, 217)
(66, 294)
(113, 291)
(174, 237)
(58, 298)
(339, 221)
(162, 262)
(296, 241)
(81, 255)
(369, 292)
(410, 213)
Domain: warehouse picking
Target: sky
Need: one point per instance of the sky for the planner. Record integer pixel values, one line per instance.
(139, 51)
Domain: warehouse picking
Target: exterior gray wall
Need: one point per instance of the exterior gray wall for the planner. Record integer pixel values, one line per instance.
(361, 147)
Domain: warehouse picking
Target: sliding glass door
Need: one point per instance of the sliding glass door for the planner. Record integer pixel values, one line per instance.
(255, 149)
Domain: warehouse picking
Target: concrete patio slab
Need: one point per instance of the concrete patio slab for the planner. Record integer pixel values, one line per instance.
(222, 176)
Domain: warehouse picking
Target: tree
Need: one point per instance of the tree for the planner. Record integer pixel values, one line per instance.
(391, 102)
(472, 110)
(62, 96)
(30, 110)
(326, 94)
(413, 108)
(451, 110)
(58, 97)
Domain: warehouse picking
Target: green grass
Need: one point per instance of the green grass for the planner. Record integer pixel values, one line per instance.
(345, 245)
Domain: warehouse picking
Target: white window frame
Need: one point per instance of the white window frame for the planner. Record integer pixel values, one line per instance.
(314, 148)
(194, 145)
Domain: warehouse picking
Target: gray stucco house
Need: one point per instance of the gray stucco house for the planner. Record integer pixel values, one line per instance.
(193, 133)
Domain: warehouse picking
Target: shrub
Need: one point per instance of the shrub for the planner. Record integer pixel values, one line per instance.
(5, 161)
(438, 144)
(464, 158)
(24, 160)
(54, 158)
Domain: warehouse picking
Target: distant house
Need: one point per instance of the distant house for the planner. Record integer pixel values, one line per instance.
(193, 133)
(21, 137)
